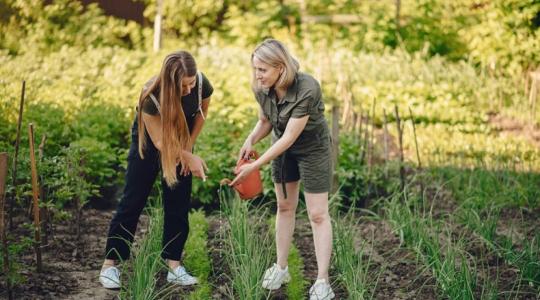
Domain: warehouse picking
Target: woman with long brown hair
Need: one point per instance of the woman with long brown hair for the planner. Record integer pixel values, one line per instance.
(170, 116)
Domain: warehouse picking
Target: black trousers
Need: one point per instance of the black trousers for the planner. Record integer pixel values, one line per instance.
(140, 177)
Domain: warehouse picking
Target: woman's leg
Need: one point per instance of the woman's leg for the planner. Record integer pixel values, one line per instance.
(140, 177)
(317, 207)
(176, 204)
(285, 219)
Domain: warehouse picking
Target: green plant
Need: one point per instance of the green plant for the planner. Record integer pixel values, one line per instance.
(246, 255)
(197, 258)
(141, 280)
(353, 262)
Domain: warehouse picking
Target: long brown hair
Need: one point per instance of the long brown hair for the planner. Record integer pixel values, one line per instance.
(174, 128)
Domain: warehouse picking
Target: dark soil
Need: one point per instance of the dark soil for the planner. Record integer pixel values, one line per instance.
(70, 267)
(303, 239)
(218, 278)
(401, 275)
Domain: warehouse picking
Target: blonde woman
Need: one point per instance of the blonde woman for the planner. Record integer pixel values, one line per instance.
(170, 116)
(291, 108)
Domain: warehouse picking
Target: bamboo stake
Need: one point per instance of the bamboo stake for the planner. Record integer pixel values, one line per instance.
(401, 156)
(35, 194)
(45, 210)
(360, 121)
(415, 139)
(385, 141)
(3, 235)
(370, 144)
(385, 136)
(533, 94)
(417, 149)
(157, 26)
(14, 167)
(398, 16)
(354, 122)
(365, 142)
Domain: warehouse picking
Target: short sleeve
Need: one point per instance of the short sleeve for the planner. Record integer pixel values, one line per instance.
(302, 107)
(207, 88)
(259, 96)
(149, 107)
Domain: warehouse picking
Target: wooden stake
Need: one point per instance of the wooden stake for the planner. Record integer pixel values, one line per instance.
(44, 210)
(385, 141)
(398, 16)
(14, 167)
(401, 156)
(157, 26)
(360, 121)
(385, 137)
(533, 94)
(415, 139)
(370, 144)
(3, 235)
(365, 142)
(35, 194)
(354, 127)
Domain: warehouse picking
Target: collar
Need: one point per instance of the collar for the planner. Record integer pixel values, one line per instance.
(290, 95)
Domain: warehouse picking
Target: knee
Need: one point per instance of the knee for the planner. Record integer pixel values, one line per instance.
(126, 214)
(286, 208)
(318, 217)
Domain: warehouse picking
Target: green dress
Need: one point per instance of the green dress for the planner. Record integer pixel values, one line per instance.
(309, 157)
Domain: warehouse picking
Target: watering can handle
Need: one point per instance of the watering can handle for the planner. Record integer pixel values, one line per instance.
(253, 154)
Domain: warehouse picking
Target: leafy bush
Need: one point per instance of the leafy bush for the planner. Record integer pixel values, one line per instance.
(33, 26)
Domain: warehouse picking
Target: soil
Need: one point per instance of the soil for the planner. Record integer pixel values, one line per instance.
(400, 275)
(71, 267)
(510, 126)
(303, 239)
(219, 281)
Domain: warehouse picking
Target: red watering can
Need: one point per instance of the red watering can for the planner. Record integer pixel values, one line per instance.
(252, 185)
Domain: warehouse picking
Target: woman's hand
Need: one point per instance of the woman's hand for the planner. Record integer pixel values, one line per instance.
(185, 168)
(245, 151)
(243, 172)
(196, 165)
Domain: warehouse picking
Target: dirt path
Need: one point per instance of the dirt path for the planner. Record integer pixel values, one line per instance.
(401, 275)
(217, 278)
(303, 239)
(70, 272)
(510, 126)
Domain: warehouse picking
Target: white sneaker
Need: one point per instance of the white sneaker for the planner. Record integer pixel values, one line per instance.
(110, 278)
(274, 277)
(181, 277)
(321, 290)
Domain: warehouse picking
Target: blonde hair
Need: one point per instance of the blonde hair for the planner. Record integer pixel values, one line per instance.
(175, 131)
(272, 52)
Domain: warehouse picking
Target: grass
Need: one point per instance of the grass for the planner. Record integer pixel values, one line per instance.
(246, 249)
(197, 259)
(146, 262)
(482, 196)
(432, 241)
(142, 270)
(353, 262)
(296, 288)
